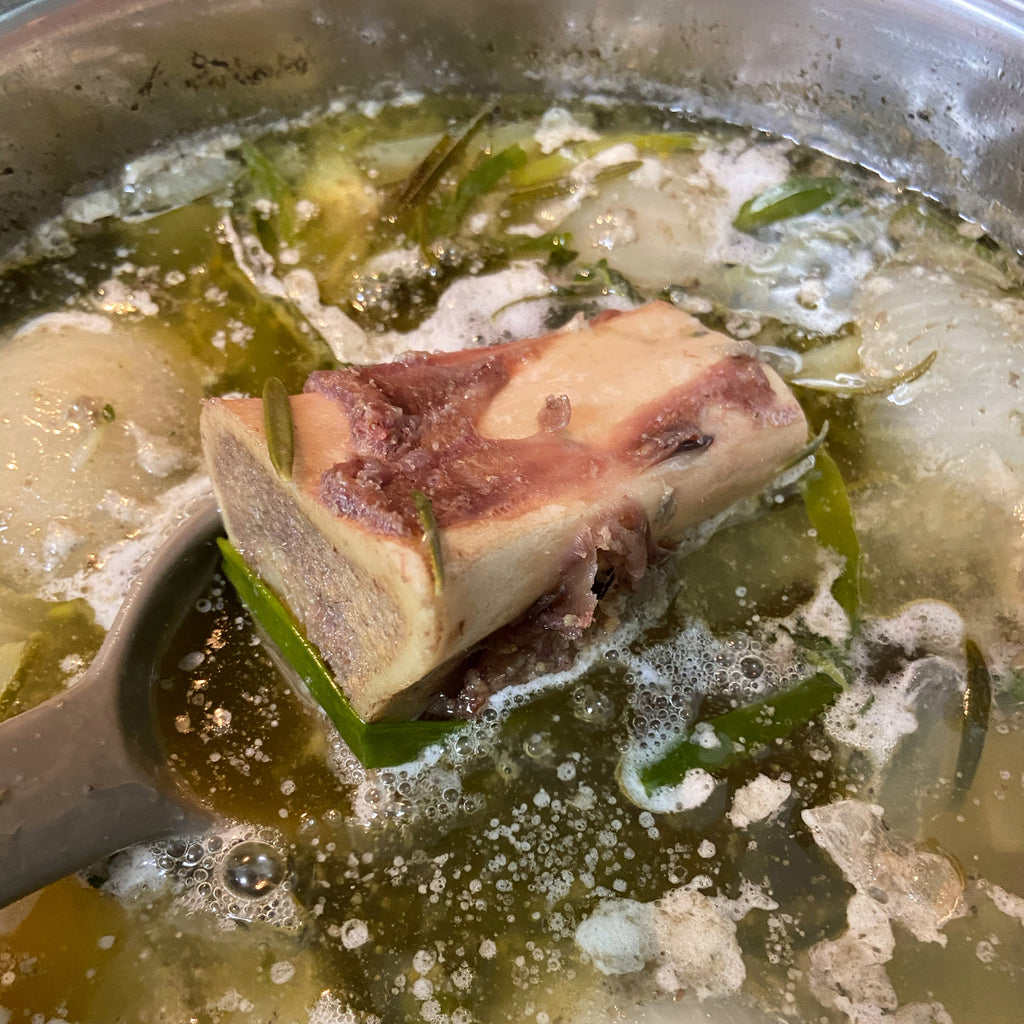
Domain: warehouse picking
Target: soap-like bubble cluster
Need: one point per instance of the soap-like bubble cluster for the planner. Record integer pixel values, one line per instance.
(240, 874)
(429, 790)
(671, 679)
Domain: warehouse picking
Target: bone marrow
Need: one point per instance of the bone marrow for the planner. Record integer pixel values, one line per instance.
(545, 462)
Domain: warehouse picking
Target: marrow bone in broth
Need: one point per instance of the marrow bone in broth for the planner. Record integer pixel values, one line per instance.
(777, 779)
(538, 458)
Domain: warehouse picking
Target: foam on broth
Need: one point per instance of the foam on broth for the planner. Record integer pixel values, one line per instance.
(521, 872)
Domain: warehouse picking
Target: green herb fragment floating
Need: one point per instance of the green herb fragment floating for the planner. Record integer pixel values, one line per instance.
(480, 181)
(428, 172)
(375, 744)
(808, 449)
(738, 734)
(976, 707)
(432, 536)
(795, 197)
(268, 183)
(280, 431)
(108, 414)
(858, 384)
(828, 508)
(564, 186)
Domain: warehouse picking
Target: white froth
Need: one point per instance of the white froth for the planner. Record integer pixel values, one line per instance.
(873, 718)
(105, 584)
(823, 615)
(671, 678)
(281, 972)
(742, 171)
(697, 785)
(700, 951)
(329, 1009)
(558, 127)
(135, 875)
(345, 338)
(930, 625)
(480, 311)
(619, 936)
(689, 937)
(916, 887)
(1005, 902)
(758, 799)
(354, 933)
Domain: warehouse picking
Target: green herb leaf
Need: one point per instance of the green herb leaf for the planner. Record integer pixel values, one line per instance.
(432, 536)
(740, 733)
(808, 449)
(423, 173)
(662, 143)
(427, 174)
(108, 414)
(280, 431)
(557, 246)
(793, 198)
(828, 508)
(375, 744)
(268, 183)
(976, 707)
(604, 280)
(550, 168)
(481, 180)
(858, 384)
(563, 186)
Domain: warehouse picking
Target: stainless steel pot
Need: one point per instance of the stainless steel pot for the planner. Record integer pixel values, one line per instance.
(928, 92)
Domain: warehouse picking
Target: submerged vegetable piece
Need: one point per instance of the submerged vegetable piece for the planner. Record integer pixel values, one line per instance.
(542, 462)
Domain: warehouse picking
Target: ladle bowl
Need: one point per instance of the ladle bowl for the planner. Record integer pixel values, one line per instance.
(85, 774)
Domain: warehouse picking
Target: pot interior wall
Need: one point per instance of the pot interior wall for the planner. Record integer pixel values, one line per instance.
(86, 84)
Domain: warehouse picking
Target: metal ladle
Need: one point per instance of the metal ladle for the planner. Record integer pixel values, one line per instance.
(85, 774)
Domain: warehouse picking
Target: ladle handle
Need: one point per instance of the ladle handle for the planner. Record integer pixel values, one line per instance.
(85, 775)
(72, 790)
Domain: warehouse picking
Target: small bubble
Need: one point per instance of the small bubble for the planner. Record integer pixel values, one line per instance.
(752, 667)
(538, 746)
(176, 848)
(253, 869)
(193, 855)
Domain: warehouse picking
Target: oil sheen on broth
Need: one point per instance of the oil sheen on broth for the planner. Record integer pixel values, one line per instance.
(867, 865)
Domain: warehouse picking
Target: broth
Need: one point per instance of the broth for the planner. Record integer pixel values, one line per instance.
(865, 865)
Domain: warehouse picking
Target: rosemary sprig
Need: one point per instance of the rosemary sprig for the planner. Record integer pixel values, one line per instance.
(280, 430)
(432, 537)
